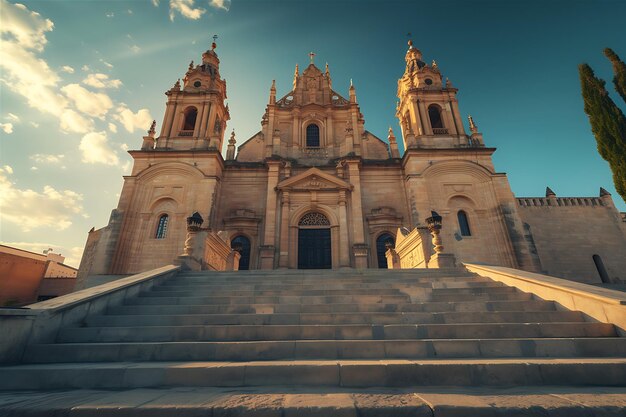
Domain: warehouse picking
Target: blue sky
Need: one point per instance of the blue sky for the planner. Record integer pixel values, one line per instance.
(81, 81)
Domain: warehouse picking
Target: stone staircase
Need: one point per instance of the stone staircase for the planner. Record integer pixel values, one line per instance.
(331, 330)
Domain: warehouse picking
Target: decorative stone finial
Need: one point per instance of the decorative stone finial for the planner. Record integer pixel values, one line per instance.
(472, 124)
(550, 193)
(410, 43)
(273, 87)
(232, 139)
(191, 65)
(311, 56)
(603, 192)
(351, 85)
(214, 45)
(177, 85)
(448, 83)
(390, 135)
(152, 129)
(327, 71)
(434, 64)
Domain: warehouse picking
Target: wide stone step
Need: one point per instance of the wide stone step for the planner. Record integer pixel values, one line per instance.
(289, 401)
(332, 332)
(327, 273)
(453, 283)
(344, 373)
(321, 292)
(268, 293)
(302, 276)
(148, 298)
(443, 306)
(380, 279)
(336, 318)
(326, 349)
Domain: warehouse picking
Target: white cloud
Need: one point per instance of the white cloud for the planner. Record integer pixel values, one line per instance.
(135, 49)
(13, 117)
(34, 124)
(34, 168)
(31, 209)
(109, 14)
(88, 102)
(129, 11)
(127, 166)
(7, 169)
(124, 146)
(85, 68)
(220, 4)
(155, 3)
(96, 150)
(133, 121)
(185, 8)
(72, 254)
(7, 128)
(23, 37)
(47, 158)
(113, 127)
(106, 64)
(99, 80)
(71, 121)
(68, 69)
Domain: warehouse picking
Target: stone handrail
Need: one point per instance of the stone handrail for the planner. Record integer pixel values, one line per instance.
(40, 322)
(602, 304)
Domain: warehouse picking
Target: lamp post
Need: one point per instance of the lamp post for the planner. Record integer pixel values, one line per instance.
(434, 227)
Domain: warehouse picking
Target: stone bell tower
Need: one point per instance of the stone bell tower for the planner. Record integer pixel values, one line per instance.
(196, 115)
(428, 110)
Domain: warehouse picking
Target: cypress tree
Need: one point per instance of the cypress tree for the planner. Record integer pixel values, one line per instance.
(608, 125)
(619, 69)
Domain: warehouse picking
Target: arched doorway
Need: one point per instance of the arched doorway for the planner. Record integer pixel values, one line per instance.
(242, 245)
(314, 247)
(382, 242)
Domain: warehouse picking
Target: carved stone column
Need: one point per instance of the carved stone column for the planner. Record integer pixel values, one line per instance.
(344, 243)
(269, 237)
(283, 248)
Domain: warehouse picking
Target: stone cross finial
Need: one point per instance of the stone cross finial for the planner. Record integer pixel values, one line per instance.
(232, 139)
(311, 56)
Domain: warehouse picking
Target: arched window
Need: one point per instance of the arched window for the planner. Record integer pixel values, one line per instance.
(312, 136)
(191, 113)
(383, 243)
(242, 245)
(161, 230)
(434, 114)
(601, 269)
(463, 223)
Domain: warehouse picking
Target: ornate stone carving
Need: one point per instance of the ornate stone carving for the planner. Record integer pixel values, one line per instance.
(314, 219)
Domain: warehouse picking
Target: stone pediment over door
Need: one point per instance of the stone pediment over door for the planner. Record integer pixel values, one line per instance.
(314, 179)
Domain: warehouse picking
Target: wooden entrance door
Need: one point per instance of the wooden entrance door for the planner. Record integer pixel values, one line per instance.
(314, 249)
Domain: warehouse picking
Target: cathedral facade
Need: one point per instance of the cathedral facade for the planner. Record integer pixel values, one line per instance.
(315, 189)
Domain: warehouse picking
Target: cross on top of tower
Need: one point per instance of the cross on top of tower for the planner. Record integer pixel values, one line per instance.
(311, 56)
(214, 45)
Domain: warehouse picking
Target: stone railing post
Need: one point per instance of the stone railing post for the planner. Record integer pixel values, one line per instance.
(187, 260)
(439, 259)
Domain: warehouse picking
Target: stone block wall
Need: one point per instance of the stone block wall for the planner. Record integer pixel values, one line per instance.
(569, 231)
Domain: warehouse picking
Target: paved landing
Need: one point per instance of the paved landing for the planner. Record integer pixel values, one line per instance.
(292, 401)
